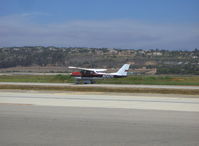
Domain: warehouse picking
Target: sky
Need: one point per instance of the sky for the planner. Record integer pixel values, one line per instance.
(125, 24)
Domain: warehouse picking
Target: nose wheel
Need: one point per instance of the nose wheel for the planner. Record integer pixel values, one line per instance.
(89, 82)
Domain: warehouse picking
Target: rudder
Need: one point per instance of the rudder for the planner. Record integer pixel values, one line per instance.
(123, 70)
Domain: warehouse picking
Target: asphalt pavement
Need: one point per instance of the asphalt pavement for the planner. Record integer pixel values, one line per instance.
(103, 85)
(38, 118)
(24, 125)
(102, 100)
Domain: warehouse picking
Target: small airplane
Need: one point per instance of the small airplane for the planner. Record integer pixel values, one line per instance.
(89, 75)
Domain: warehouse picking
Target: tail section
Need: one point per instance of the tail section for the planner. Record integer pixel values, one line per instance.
(123, 70)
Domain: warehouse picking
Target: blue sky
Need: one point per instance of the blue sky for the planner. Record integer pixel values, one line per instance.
(137, 24)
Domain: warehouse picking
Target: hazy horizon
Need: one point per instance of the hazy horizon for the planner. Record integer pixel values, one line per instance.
(128, 24)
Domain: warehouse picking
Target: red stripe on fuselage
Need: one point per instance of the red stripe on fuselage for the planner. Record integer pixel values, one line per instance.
(76, 74)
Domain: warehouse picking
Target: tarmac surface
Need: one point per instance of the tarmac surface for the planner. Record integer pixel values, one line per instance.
(104, 85)
(102, 100)
(29, 118)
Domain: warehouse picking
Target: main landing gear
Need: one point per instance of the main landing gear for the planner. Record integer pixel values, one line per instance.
(85, 82)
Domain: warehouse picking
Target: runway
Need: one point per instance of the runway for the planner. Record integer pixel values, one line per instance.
(50, 126)
(103, 100)
(29, 118)
(104, 85)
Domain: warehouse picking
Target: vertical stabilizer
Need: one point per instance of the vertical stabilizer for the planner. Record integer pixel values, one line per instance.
(123, 70)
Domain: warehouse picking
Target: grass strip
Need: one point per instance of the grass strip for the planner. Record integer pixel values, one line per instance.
(103, 89)
(144, 80)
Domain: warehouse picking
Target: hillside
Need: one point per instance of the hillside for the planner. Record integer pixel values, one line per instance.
(166, 62)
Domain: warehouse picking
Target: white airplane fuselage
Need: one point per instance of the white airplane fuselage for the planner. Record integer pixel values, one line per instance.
(93, 74)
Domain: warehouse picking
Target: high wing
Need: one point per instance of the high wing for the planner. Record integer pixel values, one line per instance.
(88, 69)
